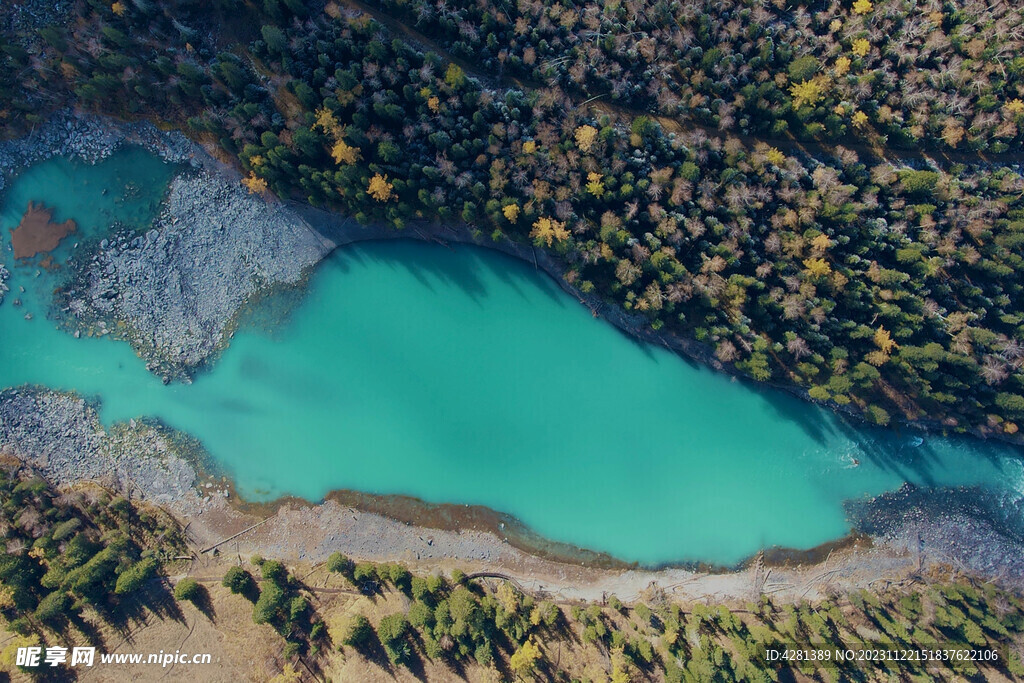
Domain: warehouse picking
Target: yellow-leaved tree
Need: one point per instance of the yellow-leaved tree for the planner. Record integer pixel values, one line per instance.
(862, 7)
(344, 154)
(547, 230)
(326, 121)
(511, 212)
(774, 156)
(621, 667)
(861, 47)
(255, 184)
(595, 184)
(379, 188)
(884, 341)
(287, 675)
(508, 597)
(816, 268)
(807, 92)
(586, 135)
(885, 344)
(524, 660)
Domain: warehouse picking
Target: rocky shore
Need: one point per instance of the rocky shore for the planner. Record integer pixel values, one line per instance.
(60, 436)
(976, 531)
(174, 292)
(91, 139)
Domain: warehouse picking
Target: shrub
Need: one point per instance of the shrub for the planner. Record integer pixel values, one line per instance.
(268, 607)
(391, 631)
(53, 607)
(420, 615)
(272, 570)
(365, 572)
(188, 589)
(337, 563)
(356, 631)
(238, 580)
(297, 608)
(392, 628)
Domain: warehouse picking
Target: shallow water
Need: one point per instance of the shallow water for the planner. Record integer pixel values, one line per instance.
(465, 376)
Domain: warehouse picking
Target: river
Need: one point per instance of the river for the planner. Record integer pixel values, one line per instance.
(464, 376)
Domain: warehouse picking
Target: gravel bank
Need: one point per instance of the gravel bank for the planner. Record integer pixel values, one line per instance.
(60, 435)
(974, 531)
(91, 139)
(4, 288)
(175, 291)
(32, 15)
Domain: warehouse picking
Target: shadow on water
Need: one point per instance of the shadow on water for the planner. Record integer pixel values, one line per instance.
(914, 455)
(910, 454)
(816, 422)
(513, 271)
(427, 263)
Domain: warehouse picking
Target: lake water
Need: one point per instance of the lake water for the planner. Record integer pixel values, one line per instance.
(464, 376)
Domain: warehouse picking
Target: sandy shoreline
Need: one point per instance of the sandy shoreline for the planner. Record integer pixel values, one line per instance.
(60, 435)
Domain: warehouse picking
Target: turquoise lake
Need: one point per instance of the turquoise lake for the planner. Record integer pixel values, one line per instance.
(464, 376)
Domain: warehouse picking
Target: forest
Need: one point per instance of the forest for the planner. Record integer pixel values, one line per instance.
(497, 625)
(72, 560)
(85, 566)
(654, 148)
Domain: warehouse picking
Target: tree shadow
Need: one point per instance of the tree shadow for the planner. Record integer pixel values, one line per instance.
(373, 651)
(93, 636)
(813, 420)
(204, 603)
(893, 451)
(415, 664)
(154, 598)
(251, 591)
(428, 264)
(456, 666)
(563, 630)
(425, 259)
